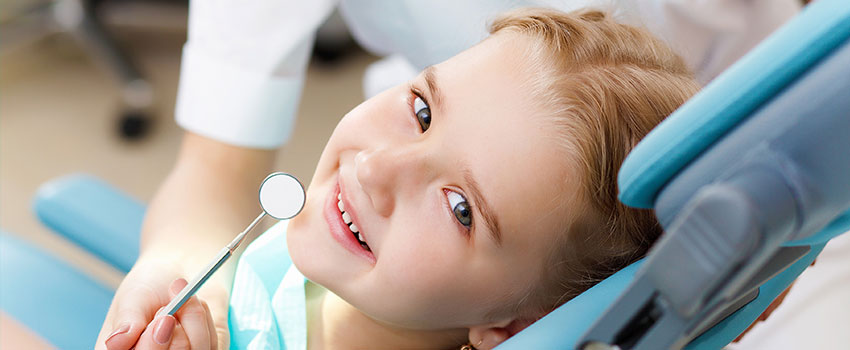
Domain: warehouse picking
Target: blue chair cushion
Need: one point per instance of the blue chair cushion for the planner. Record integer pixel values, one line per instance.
(94, 215)
(56, 301)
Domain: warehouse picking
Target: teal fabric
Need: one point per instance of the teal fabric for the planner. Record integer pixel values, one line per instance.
(267, 306)
(730, 98)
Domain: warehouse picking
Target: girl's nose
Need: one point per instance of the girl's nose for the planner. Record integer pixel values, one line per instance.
(387, 173)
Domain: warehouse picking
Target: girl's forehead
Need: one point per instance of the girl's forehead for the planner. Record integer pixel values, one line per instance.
(524, 177)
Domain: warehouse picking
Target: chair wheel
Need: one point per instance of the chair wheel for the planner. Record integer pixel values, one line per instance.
(133, 125)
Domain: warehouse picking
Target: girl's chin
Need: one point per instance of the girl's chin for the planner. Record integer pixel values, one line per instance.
(301, 256)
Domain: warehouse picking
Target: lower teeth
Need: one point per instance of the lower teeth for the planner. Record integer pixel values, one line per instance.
(357, 237)
(362, 244)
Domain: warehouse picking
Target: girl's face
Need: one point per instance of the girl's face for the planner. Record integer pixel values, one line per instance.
(456, 186)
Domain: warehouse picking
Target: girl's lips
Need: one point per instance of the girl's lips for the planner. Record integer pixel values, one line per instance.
(339, 230)
(352, 213)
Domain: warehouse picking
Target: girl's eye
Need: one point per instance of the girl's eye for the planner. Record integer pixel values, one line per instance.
(460, 207)
(422, 112)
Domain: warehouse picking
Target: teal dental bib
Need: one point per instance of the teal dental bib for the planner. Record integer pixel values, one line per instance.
(267, 305)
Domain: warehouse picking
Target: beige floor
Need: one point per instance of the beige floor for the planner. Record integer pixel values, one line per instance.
(57, 116)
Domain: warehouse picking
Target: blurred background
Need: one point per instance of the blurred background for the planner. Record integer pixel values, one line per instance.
(90, 86)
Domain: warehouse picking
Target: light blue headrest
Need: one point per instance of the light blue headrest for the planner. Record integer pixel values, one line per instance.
(731, 98)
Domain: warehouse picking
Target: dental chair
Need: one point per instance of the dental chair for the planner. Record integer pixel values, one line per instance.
(750, 179)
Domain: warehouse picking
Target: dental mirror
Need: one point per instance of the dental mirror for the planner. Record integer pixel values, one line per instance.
(281, 197)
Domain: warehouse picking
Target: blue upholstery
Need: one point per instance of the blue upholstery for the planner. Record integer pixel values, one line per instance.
(742, 89)
(94, 215)
(58, 302)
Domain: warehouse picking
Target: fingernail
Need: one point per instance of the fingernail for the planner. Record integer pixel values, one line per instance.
(122, 329)
(163, 329)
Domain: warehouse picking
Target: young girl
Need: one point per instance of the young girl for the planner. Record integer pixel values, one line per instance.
(457, 210)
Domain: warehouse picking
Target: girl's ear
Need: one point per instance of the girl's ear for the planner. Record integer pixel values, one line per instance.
(488, 336)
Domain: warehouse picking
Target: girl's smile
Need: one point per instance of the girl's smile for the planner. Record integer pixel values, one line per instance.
(342, 224)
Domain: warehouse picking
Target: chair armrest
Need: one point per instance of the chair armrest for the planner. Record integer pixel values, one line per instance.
(48, 296)
(94, 215)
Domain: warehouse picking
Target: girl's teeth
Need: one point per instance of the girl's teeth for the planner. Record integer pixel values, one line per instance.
(347, 218)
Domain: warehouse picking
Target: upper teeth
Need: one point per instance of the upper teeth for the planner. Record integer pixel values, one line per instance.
(347, 218)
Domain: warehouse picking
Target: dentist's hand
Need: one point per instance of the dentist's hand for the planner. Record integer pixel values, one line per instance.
(207, 198)
(148, 287)
(192, 327)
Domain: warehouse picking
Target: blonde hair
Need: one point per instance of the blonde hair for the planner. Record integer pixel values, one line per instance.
(607, 85)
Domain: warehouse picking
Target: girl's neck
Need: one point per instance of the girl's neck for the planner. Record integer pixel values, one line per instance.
(335, 324)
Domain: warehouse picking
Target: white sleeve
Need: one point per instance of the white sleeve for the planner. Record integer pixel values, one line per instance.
(243, 68)
(711, 34)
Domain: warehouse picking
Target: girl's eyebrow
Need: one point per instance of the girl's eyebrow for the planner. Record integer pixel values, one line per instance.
(431, 80)
(489, 219)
